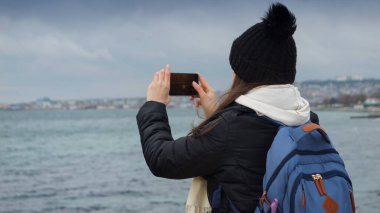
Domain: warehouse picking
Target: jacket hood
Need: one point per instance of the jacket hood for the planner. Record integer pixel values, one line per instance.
(281, 102)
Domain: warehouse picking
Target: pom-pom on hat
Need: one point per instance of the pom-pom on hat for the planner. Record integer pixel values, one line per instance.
(266, 52)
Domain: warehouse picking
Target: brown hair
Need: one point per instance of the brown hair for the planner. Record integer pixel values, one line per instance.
(238, 87)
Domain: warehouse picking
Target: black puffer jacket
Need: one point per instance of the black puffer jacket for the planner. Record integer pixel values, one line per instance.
(233, 153)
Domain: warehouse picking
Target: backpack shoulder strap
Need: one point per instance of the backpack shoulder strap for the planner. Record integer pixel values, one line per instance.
(301, 131)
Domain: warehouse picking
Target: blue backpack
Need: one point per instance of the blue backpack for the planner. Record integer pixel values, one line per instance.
(304, 173)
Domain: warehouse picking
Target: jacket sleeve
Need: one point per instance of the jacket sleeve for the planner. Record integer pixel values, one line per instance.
(184, 157)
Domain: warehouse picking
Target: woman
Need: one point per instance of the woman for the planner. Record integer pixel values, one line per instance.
(229, 147)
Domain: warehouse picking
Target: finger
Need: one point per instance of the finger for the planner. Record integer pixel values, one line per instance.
(167, 75)
(199, 89)
(191, 97)
(204, 83)
(161, 75)
(156, 76)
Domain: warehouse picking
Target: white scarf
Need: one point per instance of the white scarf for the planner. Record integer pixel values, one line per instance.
(282, 103)
(197, 200)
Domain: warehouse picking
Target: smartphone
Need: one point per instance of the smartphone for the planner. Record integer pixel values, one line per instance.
(181, 84)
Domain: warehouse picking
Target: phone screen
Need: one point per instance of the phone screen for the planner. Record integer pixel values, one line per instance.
(181, 84)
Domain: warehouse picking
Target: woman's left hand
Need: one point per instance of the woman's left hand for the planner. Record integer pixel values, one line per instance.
(158, 89)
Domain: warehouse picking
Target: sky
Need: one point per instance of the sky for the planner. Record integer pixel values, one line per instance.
(89, 49)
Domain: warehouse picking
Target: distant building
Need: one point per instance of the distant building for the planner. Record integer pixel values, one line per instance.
(318, 91)
(44, 103)
(372, 102)
(349, 78)
(3, 106)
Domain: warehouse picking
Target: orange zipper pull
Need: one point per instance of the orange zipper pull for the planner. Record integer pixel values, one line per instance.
(303, 199)
(322, 185)
(316, 178)
(352, 201)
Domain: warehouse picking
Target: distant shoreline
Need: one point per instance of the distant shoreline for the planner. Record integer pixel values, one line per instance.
(359, 94)
(347, 109)
(315, 108)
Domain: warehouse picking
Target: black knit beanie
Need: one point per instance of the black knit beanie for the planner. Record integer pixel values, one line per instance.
(266, 52)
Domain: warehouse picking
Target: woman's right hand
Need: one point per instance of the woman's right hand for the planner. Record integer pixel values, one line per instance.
(207, 96)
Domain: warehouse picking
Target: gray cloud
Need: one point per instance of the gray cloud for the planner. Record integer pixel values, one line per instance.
(74, 49)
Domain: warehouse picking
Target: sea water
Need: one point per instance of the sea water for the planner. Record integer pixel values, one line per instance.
(91, 161)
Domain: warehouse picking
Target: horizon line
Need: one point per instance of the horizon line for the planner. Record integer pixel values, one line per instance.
(350, 78)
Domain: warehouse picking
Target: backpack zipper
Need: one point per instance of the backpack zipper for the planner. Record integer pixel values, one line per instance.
(291, 155)
(319, 184)
(309, 177)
